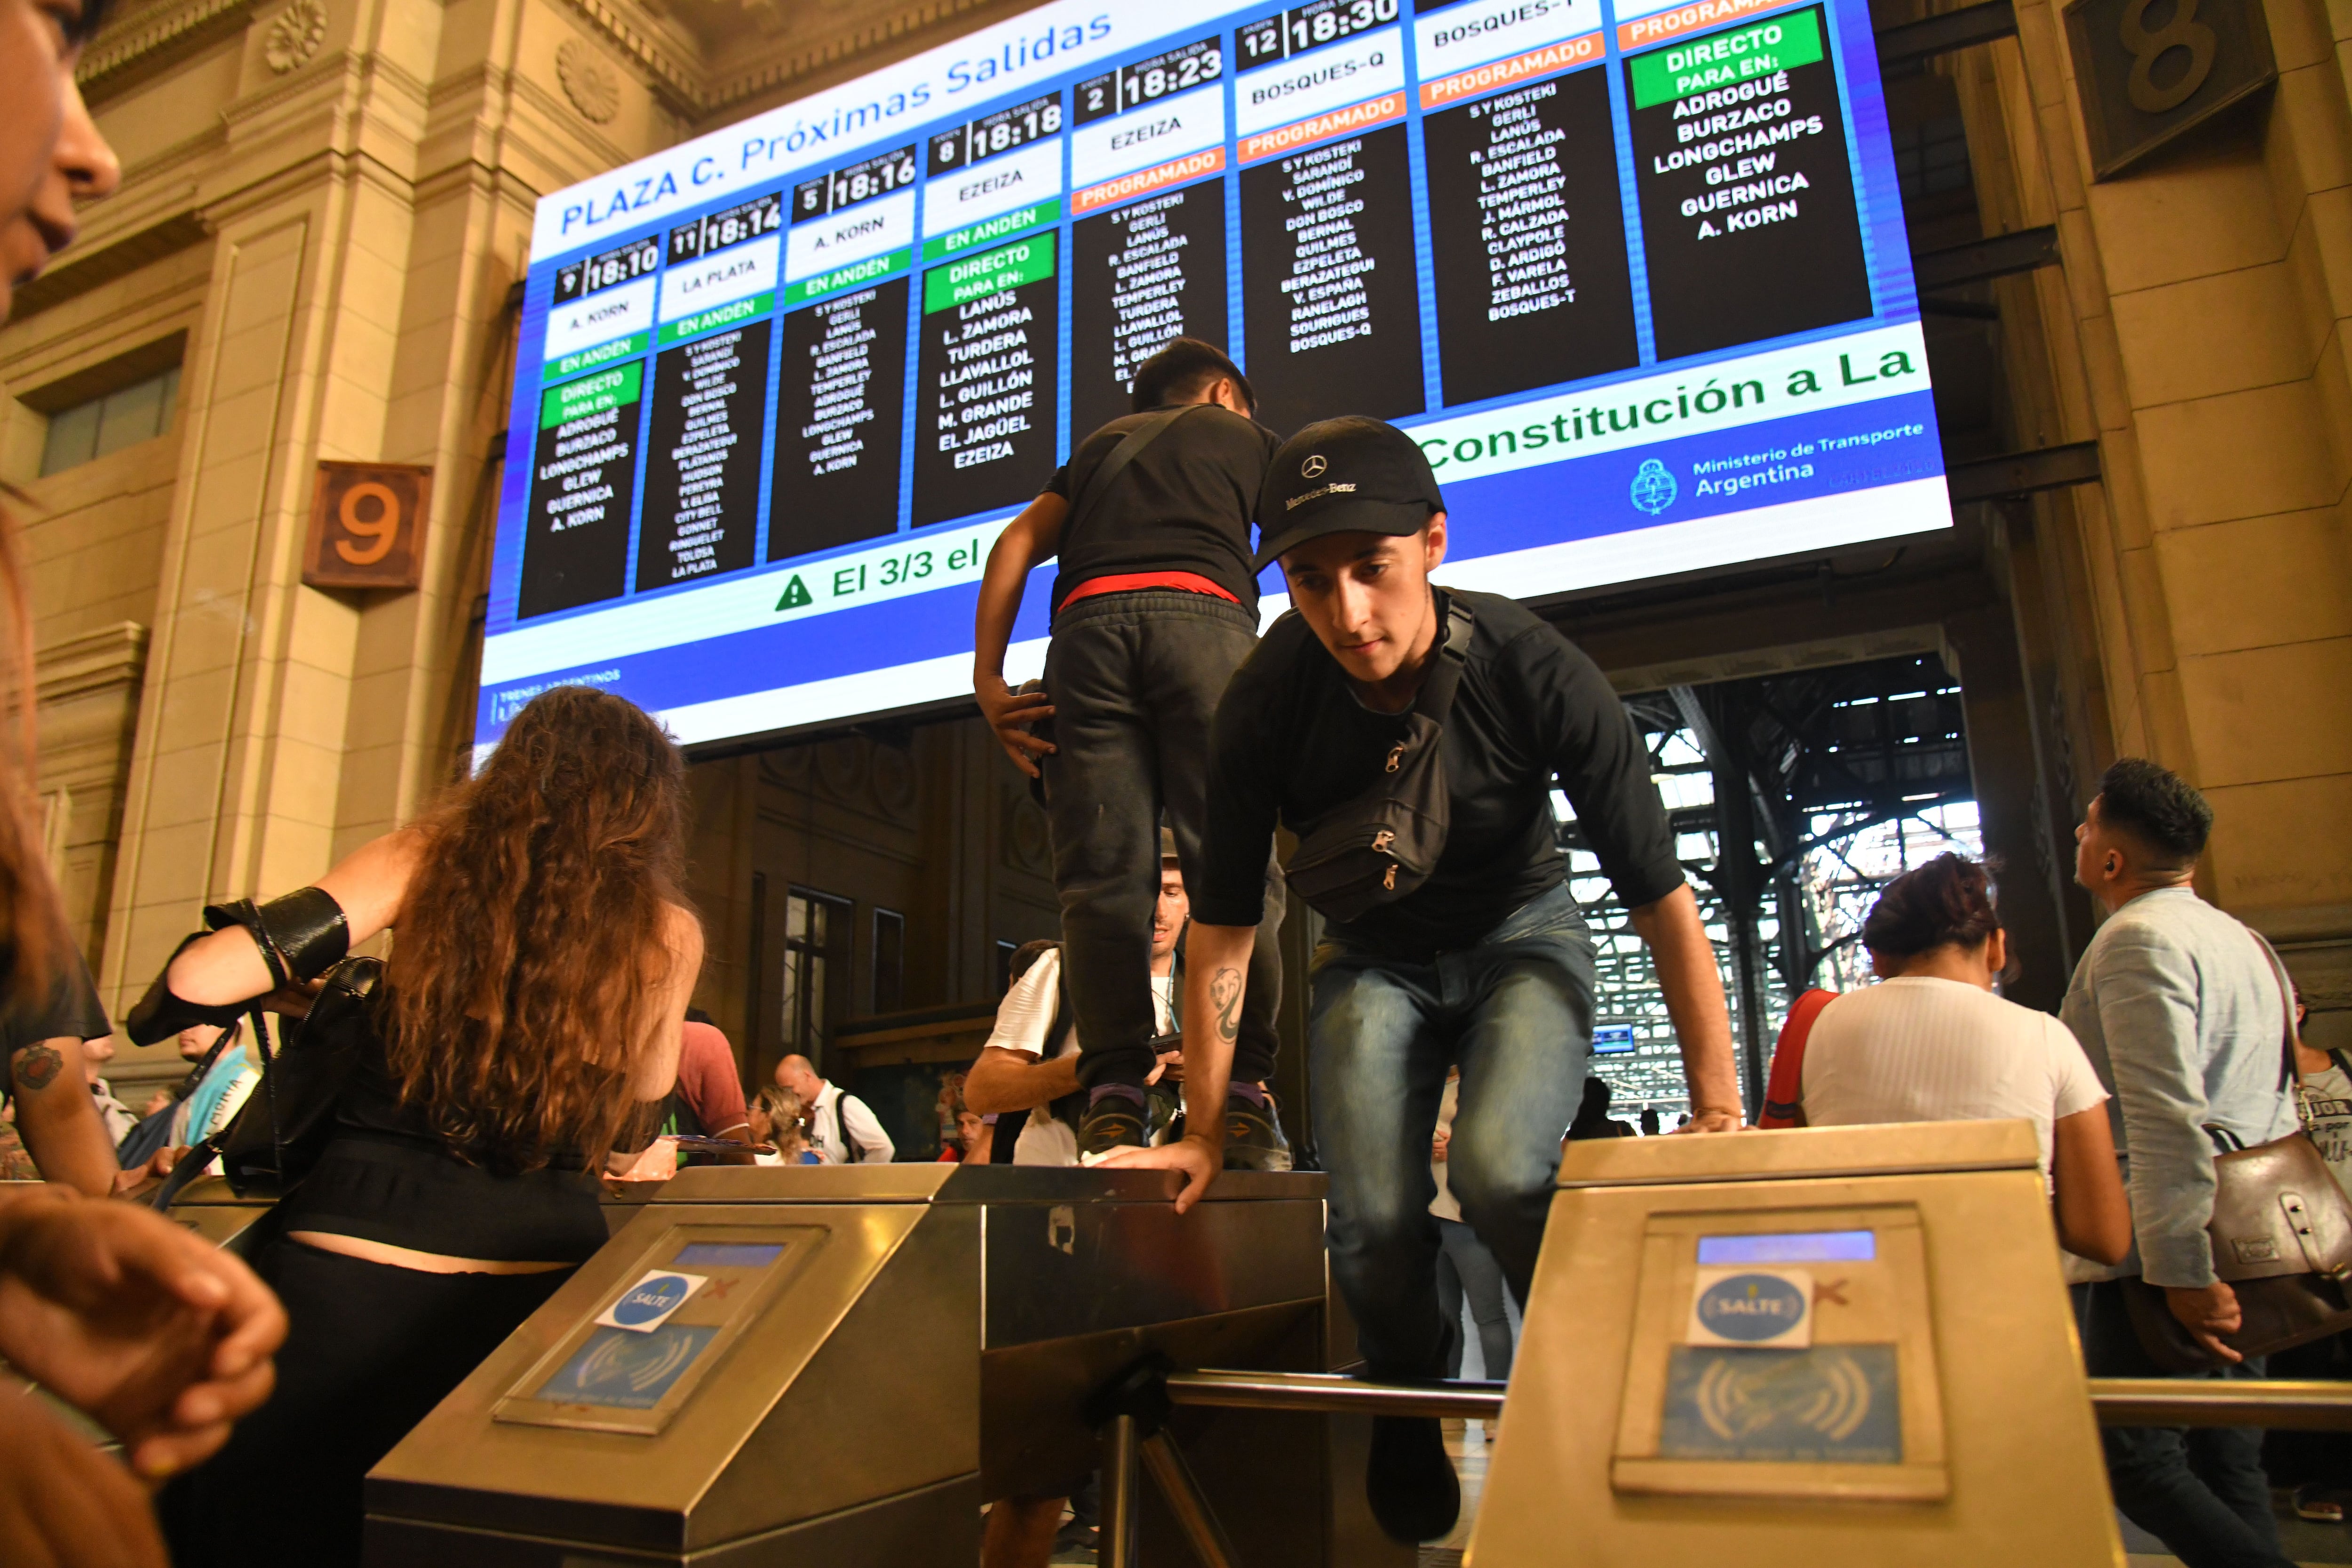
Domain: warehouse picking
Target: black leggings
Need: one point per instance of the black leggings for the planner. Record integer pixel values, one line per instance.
(370, 1350)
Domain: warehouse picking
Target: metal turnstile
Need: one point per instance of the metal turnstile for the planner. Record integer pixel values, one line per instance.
(842, 1365)
(1846, 1344)
(208, 1206)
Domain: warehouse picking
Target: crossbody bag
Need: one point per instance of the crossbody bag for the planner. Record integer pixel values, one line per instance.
(2282, 1237)
(1378, 847)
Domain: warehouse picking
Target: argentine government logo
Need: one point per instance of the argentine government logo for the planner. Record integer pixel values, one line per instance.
(1653, 488)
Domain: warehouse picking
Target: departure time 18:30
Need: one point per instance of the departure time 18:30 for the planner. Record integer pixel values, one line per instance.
(1304, 27)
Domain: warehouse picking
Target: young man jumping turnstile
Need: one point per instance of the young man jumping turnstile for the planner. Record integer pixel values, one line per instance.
(1411, 737)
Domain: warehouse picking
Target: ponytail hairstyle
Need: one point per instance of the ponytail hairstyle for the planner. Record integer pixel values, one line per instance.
(534, 953)
(1946, 901)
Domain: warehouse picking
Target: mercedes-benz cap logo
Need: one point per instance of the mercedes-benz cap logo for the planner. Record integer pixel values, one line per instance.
(1313, 466)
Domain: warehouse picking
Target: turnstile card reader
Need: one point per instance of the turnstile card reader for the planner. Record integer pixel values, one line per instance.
(1850, 1345)
(1771, 1362)
(679, 1308)
(841, 1364)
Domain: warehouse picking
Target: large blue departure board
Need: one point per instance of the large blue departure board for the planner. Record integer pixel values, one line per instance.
(1634, 275)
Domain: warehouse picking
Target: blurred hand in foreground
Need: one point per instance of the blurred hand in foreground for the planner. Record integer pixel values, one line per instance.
(161, 1338)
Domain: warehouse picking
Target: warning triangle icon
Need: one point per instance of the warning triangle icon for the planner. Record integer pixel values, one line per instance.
(797, 593)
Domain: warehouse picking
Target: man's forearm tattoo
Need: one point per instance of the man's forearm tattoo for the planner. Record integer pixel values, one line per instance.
(36, 1067)
(1225, 991)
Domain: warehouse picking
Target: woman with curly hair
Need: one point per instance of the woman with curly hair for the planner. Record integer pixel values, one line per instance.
(528, 1022)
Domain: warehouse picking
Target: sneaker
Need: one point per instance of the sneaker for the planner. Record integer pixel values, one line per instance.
(1114, 1121)
(1409, 1481)
(1076, 1543)
(1253, 1139)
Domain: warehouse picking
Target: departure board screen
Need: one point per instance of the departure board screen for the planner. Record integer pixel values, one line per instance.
(1635, 274)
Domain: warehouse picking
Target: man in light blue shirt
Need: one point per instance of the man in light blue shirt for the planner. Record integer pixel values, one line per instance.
(2184, 1016)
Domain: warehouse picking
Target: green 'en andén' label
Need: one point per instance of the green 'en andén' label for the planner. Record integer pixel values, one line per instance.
(1033, 216)
(589, 359)
(1727, 59)
(592, 393)
(992, 272)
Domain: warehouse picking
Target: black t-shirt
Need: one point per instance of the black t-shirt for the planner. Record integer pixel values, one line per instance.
(1182, 505)
(71, 1010)
(1293, 740)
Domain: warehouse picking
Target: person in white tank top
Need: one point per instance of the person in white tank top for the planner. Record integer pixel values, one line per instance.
(1934, 1042)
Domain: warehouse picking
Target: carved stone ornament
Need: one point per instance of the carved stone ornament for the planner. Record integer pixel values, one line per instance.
(592, 85)
(296, 36)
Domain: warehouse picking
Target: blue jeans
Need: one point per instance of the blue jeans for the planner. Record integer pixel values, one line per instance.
(1515, 1010)
(2200, 1491)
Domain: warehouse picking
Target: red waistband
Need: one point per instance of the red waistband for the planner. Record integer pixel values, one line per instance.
(1136, 581)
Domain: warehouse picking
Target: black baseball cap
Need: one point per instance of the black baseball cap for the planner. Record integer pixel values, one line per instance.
(1351, 474)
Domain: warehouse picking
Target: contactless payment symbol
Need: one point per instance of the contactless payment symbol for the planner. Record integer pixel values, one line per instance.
(647, 1304)
(1753, 1307)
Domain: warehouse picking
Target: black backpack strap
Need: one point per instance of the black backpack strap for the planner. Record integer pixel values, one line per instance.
(1099, 484)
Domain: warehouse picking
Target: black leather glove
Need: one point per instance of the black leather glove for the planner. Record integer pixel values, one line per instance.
(161, 1014)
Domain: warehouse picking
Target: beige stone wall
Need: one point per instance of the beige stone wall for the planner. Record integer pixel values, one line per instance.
(2198, 603)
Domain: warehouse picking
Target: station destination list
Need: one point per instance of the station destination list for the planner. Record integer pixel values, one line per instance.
(1526, 232)
(1331, 301)
(583, 489)
(985, 388)
(1748, 222)
(840, 407)
(735, 387)
(702, 475)
(1145, 273)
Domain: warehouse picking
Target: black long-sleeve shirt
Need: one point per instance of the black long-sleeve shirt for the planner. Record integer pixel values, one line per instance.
(1292, 742)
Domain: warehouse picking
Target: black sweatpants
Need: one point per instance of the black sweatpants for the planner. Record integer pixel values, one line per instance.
(1134, 679)
(370, 1350)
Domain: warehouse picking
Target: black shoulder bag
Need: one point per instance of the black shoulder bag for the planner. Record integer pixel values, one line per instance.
(1383, 844)
(278, 1134)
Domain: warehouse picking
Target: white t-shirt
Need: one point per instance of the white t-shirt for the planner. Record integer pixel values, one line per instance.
(1923, 1049)
(2323, 1099)
(1022, 1020)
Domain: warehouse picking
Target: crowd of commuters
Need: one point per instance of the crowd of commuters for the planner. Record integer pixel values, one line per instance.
(513, 1058)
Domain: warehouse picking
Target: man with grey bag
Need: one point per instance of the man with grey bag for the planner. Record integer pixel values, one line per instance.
(2181, 1011)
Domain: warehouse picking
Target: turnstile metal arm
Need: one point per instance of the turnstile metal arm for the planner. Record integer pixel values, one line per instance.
(1132, 1411)
(1184, 1499)
(1121, 1475)
(2116, 1401)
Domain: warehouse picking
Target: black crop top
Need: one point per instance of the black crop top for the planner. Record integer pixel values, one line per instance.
(387, 1176)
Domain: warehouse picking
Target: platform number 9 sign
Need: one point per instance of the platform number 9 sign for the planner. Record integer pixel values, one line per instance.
(2150, 70)
(367, 526)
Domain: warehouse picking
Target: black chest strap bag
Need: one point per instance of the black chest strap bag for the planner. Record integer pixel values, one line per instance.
(1380, 845)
